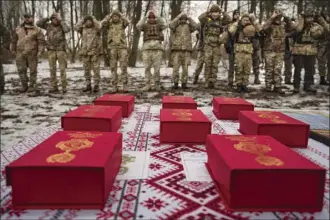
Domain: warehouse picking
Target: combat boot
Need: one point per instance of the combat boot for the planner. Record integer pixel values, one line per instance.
(175, 86)
(296, 90)
(210, 85)
(288, 82)
(323, 81)
(245, 89)
(230, 84)
(239, 88)
(256, 80)
(88, 88)
(279, 90)
(146, 88)
(31, 89)
(23, 89)
(195, 80)
(268, 88)
(310, 89)
(184, 86)
(96, 89)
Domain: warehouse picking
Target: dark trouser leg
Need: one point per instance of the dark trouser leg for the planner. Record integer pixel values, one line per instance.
(298, 65)
(309, 66)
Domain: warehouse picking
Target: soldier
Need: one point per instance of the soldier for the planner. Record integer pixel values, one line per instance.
(230, 50)
(322, 56)
(117, 44)
(181, 47)
(90, 29)
(27, 44)
(152, 27)
(256, 55)
(305, 50)
(242, 32)
(213, 21)
(4, 44)
(56, 47)
(288, 59)
(274, 46)
(200, 58)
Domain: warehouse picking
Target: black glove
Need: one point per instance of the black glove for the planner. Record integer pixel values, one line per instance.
(286, 19)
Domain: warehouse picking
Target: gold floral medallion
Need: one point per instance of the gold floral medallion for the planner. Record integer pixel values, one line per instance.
(269, 161)
(60, 158)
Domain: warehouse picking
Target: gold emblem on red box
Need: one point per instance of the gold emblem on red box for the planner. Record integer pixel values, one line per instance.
(84, 135)
(177, 99)
(68, 146)
(270, 116)
(269, 161)
(252, 147)
(93, 110)
(231, 100)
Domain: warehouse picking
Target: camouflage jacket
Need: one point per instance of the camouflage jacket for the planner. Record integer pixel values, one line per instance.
(28, 40)
(91, 38)
(304, 42)
(4, 39)
(142, 25)
(55, 34)
(116, 32)
(213, 28)
(181, 38)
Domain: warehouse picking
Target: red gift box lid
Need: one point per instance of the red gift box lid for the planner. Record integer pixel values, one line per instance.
(231, 101)
(116, 97)
(271, 117)
(93, 111)
(186, 115)
(71, 149)
(246, 152)
(178, 99)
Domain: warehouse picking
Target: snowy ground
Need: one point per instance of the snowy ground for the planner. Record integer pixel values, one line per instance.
(22, 114)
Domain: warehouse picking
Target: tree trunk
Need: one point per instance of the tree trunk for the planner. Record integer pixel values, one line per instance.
(105, 11)
(25, 6)
(1, 15)
(238, 4)
(136, 34)
(253, 8)
(162, 8)
(226, 5)
(261, 10)
(120, 6)
(33, 5)
(73, 53)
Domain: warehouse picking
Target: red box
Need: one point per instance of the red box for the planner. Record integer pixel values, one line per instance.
(178, 102)
(93, 118)
(184, 126)
(69, 170)
(258, 173)
(229, 108)
(283, 128)
(125, 101)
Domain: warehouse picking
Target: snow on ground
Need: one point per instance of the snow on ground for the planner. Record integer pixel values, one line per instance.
(22, 114)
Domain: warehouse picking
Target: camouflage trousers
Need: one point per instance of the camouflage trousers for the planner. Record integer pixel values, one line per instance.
(256, 62)
(243, 63)
(152, 58)
(200, 64)
(273, 68)
(212, 59)
(288, 59)
(91, 62)
(121, 56)
(322, 58)
(180, 59)
(23, 62)
(2, 78)
(231, 69)
(59, 56)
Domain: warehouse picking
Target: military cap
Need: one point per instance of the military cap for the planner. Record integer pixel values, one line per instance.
(215, 8)
(245, 14)
(88, 17)
(27, 15)
(116, 12)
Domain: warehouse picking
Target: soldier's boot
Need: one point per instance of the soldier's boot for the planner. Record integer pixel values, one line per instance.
(268, 88)
(64, 91)
(239, 88)
(32, 89)
(323, 81)
(96, 89)
(230, 84)
(279, 90)
(296, 90)
(288, 82)
(256, 79)
(195, 79)
(146, 88)
(175, 86)
(24, 88)
(210, 85)
(309, 89)
(184, 86)
(88, 88)
(245, 89)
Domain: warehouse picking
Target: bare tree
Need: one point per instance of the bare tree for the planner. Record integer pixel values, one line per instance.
(120, 6)
(300, 6)
(73, 52)
(253, 7)
(105, 11)
(33, 5)
(136, 34)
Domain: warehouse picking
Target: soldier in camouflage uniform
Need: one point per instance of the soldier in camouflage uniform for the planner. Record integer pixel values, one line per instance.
(28, 44)
(288, 59)
(213, 23)
(152, 27)
(274, 46)
(200, 58)
(90, 29)
(256, 56)
(242, 32)
(4, 44)
(56, 47)
(229, 46)
(181, 47)
(322, 57)
(305, 48)
(117, 44)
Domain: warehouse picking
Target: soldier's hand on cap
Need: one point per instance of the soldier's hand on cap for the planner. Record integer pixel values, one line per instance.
(275, 14)
(286, 19)
(252, 18)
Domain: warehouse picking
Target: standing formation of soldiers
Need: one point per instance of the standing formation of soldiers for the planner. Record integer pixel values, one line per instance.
(281, 41)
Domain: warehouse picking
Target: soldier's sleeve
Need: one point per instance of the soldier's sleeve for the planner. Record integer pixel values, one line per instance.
(323, 23)
(125, 22)
(141, 23)
(300, 24)
(14, 40)
(79, 26)
(65, 27)
(193, 25)
(43, 23)
(174, 23)
(41, 41)
(257, 27)
(105, 21)
(226, 19)
(232, 28)
(97, 24)
(267, 24)
(224, 37)
(202, 18)
(162, 23)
